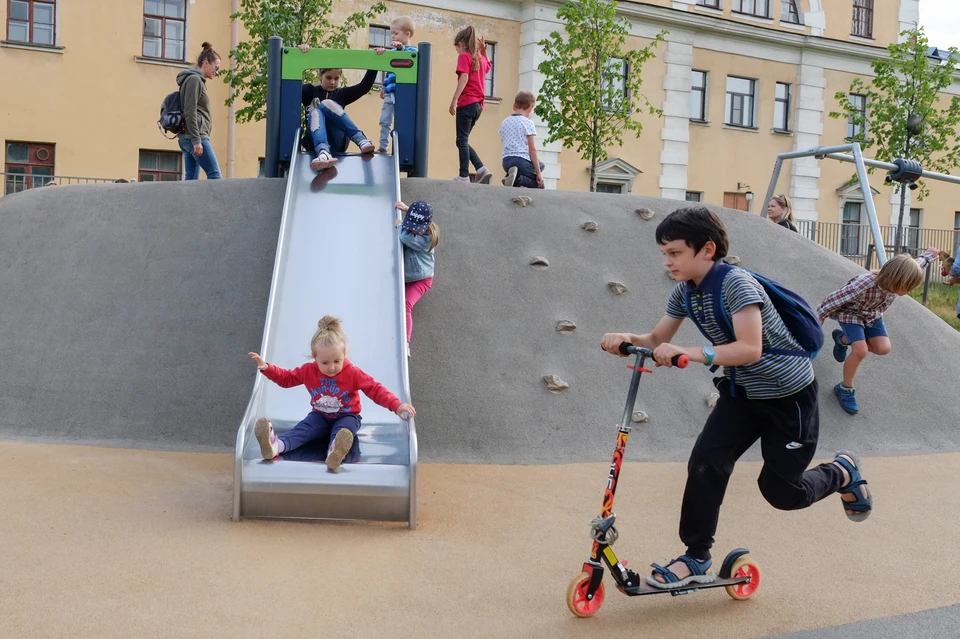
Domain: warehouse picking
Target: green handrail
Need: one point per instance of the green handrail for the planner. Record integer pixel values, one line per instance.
(296, 62)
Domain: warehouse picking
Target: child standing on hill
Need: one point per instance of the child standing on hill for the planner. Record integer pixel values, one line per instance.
(420, 236)
(517, 134)
(333, 383)
(859, 308)
(771, 397)
(401, 30)
(467, 103)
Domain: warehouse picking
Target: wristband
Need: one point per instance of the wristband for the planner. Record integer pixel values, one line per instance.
(708, 354)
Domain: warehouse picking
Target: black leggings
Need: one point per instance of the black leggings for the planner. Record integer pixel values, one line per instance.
(467, 117)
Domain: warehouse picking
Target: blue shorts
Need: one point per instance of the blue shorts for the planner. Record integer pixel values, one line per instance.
(857, 333)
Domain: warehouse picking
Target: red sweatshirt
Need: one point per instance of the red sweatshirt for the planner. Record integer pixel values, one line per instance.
(334, 395)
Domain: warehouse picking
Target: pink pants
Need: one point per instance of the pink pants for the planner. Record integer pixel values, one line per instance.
(415, 291)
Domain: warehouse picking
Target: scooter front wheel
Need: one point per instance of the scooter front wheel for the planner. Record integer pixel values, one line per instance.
(577, 600)
(744, 567)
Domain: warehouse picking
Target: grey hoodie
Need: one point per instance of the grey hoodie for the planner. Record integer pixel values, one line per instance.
(196, 105)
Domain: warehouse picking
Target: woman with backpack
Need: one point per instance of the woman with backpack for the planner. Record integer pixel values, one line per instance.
(197, 123)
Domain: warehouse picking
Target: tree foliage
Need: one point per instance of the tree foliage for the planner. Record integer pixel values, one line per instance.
(591, 86)
(297, 22)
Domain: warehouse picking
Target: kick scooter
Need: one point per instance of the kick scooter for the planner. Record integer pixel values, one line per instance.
(738, 574)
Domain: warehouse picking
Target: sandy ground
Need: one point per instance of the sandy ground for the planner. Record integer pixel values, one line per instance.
(124, 543)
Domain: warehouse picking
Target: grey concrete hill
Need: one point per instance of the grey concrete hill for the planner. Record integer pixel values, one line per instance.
(128, 310)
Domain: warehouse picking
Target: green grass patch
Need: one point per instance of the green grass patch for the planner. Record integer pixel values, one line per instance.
(942, 300)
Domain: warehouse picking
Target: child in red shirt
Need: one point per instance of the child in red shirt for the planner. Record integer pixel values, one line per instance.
(333, 383)
(467, 103)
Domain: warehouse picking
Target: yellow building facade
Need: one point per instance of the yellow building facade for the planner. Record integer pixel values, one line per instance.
(739, 81)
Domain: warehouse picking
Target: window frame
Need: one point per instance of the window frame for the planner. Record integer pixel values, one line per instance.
(623, 77)
(491, 76)
(158, 173)
(31, 23)
(850, 229)
(852, 133)
(862, 19)
(697, 194)
(792, 8)
(738, 8)
(710, 4)
(786, 108)
(730, 100)
(371, 45)
(30, 180)
(702, 90)
(163, 32)
(911, 237)
(608, 187)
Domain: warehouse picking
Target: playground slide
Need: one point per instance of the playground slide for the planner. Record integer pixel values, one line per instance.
(338, 254)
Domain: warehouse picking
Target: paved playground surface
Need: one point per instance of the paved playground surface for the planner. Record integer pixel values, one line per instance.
(158, 291)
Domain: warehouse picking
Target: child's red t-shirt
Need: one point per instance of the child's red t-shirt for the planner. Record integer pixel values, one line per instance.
(474, 91)
(334, 395)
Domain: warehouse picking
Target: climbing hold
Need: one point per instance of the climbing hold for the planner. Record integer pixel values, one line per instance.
(523, 200)
(712, 399)
(639, 417)
(555, 384)
(590, 227)
(646, 214)
(566, 325)
(732, 260)
(539, 262)
(617, 287)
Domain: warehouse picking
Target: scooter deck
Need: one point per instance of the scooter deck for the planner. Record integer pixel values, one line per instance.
(646, 589)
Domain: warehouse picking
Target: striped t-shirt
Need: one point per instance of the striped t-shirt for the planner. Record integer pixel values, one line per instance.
(774, 375)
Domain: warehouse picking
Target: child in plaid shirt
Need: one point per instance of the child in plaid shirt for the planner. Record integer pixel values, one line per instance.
(859, 308)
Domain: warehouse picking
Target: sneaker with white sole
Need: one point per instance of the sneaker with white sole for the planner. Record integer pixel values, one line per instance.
(511, 176)
(483, 175)
(461, 179)
(342, 444)
(269, 444)
(323, 161)
(366, 146)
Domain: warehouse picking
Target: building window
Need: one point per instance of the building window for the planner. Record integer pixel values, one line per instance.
(694, 196)
(789, 12)
(862, 18)
(850, 230)
(164, 29)
(741, 99)
(856, 127)
(781, 108)
(713, 4)
(27, 165)
(698, 96)
(759, 8)
(911, 238)
(605, 187)
(160, 166)
(261, 164)
(614, 85)
(380, 37)
(32, 21)
(489, 81)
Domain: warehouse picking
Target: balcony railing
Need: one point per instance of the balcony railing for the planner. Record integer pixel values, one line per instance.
(16, 182)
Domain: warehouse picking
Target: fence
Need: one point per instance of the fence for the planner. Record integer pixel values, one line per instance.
(17, 182)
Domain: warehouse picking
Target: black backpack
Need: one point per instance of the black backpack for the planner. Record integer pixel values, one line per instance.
(171, 115)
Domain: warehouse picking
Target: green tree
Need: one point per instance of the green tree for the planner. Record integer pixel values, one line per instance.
(591, 85)
(904, 116)
(297, 22)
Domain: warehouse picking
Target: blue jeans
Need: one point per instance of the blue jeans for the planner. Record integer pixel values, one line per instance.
(317, 426)
(331, 130)
(526, 172)
(955, 271)
(192, 164)
(857, 333)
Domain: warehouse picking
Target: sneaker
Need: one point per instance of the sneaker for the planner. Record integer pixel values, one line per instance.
(839, 348)
(461, 179)
(268, 439)
(511, 176)
(342, 444)
(483, 175)
(366, 146)
(381, 152)
(848, 399)
(323, 161)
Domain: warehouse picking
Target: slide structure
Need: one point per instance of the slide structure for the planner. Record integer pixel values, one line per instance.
(338, 254)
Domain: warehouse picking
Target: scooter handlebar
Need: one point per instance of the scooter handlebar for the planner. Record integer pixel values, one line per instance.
(626, 348)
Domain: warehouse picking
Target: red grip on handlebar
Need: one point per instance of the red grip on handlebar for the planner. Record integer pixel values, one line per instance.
(681, 361)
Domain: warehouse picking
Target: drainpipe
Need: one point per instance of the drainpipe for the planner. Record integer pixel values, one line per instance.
(232, 111)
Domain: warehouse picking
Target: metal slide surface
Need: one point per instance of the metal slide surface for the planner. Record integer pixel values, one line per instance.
(338, 254)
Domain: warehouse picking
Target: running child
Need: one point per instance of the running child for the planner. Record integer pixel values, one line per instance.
(420, 236)
(333, 383)
(859, 307)
(401, 30)
(517, 134)
(763, 395)
(467, 103)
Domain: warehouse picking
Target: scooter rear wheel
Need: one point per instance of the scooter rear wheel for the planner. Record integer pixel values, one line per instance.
(577, 600)
(744, 567)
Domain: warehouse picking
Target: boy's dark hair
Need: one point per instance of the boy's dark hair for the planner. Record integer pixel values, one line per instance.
(695, 226)
(524, 100)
